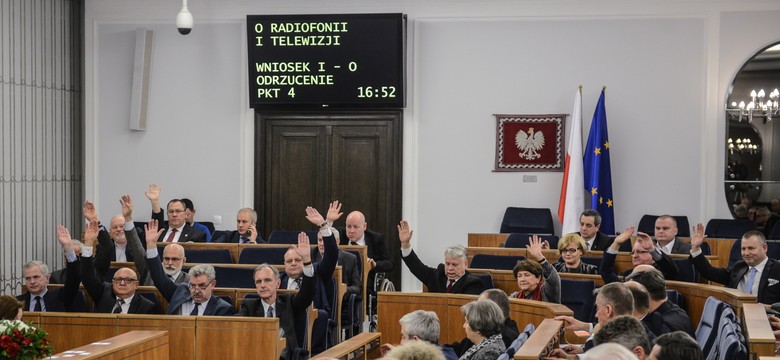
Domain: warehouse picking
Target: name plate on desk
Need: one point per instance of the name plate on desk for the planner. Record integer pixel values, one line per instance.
(327, 61)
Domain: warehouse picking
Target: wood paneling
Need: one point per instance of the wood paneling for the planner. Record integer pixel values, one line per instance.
(138, 345)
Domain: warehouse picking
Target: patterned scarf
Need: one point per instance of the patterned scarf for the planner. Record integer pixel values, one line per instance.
(475, 348)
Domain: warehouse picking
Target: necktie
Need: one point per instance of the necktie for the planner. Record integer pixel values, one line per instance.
(589, 245)
(118, 307)
(171, 235)
(298, 283)
(353, 243)
(750, 279)
(270, 312)
(449, 285)
(195, 310)
(244, 240)
(38, 306)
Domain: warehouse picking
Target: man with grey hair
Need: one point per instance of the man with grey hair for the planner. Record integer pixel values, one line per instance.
(424, 326)
(246, 229)
(195, 298)
(36, 277)
(450, 277)
(626, 331)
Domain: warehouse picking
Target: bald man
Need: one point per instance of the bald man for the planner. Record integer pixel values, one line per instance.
(357, 233)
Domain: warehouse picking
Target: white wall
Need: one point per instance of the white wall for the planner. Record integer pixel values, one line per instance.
(666, 66)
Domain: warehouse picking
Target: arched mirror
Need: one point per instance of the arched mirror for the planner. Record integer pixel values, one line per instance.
(752, 179)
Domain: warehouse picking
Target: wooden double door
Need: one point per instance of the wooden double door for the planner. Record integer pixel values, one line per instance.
(310, 159)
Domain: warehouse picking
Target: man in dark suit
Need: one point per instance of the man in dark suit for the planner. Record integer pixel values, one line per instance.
(119, 296)
(246, 229)
(674, 318)
(666, 236)
(590, 223)
(195, 298)
(173, 261)
(357, 233)
(286, 306)
(755, 273)
(643, 252)
(450, 277)
(177, 229)
(350, 272)
(36, 278)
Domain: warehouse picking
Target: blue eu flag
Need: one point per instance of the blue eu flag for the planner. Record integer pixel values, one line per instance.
(598, 174)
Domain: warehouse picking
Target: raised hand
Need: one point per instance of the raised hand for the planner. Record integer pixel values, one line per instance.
(63, 236)
(152, 233)
(405, 234)
(89, 211)
(127, 207)
(153, 194)
(252, 234)
(535, 247)
(303, 249)
(314, 216)
(645, 241)
(625, 236)
(91, 233)
(334, 211)
(697, 237)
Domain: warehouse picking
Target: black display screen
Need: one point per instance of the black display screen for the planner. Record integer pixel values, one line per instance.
(327, 61)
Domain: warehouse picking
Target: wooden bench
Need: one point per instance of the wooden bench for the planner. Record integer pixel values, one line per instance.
(542, 342)
(130, 345)
(361, 346)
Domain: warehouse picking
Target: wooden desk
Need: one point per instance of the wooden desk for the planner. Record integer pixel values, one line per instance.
(758, 332)
(361, 346)
(393, 305)
(190, 337)
(152, 345)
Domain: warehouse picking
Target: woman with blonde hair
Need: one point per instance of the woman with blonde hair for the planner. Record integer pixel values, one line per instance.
(572, 248)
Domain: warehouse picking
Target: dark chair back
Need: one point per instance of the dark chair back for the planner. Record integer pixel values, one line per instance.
(647, 225)
(728, 228)
(578, 297)
(487, 280)
(675, 297)
(527, 220)
(254, 255)
(773, 249)
(290, 237)
(498, 262)
(686, 271)
(520, 240)
(774, 234)
(208, 256)
(231, 277)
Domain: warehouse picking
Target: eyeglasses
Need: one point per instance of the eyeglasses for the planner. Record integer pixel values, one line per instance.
(175, 211)
(126, 280)
(201, 287)
(569, 251)
(173, 259)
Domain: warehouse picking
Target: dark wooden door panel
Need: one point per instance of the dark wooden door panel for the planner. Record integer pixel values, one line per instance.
(307, 159)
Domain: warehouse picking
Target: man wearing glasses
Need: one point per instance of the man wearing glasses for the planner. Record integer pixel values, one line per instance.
(119, 296)
(173, 261)
(195, 298)
(177, 229)
(644, 252)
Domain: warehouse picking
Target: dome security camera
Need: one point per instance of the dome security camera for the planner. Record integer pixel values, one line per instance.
(184, 20)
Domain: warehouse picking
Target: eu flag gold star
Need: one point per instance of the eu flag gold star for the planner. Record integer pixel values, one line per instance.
(601, 200)
(609, 203)
(597, 151)
(606, 144)
(593, 191)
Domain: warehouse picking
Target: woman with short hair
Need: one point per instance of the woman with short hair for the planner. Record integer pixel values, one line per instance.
(484, 321)
(537, 279)
(572, 248)
(10, 308)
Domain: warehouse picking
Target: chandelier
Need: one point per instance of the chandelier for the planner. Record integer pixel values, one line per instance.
(742, 146)
(757, 107)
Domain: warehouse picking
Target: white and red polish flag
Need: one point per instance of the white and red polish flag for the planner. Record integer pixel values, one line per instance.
(572, 190)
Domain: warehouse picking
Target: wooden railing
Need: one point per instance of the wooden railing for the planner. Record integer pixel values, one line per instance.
(130, 345)
(361, 346)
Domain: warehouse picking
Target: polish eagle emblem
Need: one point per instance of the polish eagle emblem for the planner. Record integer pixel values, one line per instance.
(529, 144)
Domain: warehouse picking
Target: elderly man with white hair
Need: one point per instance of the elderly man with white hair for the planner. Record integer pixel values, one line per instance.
(449, 277)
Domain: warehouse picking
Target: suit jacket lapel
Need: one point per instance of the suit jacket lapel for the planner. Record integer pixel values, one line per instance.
(741, 274)
(134, 304)
(764, 278)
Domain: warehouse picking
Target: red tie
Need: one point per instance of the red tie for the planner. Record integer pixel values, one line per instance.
(171, 235)
(449, 285)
